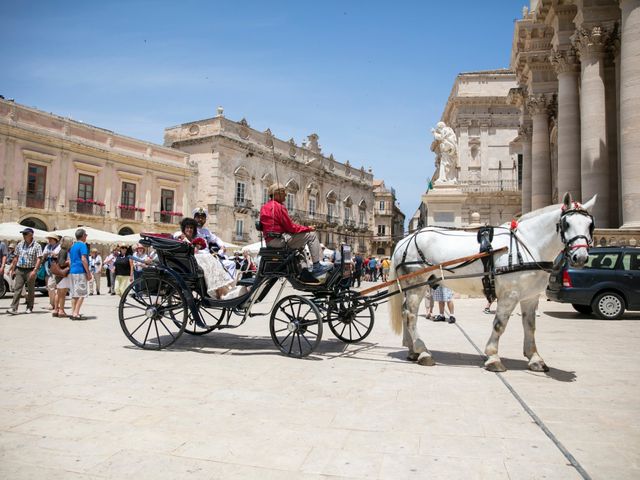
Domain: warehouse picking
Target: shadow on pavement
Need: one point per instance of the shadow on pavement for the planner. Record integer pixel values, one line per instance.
(457, 359)
(218, 343)
(582, 316)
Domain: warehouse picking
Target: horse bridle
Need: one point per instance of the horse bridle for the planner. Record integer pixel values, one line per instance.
(562, 226)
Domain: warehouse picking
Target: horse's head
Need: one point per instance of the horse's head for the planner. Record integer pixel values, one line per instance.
(576, 226)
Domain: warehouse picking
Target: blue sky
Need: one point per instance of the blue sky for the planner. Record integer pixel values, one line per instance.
(370, 78)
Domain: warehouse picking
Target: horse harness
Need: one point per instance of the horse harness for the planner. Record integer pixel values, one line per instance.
(485, 237)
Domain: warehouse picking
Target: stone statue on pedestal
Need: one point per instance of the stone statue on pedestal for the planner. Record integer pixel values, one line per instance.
(445, 146)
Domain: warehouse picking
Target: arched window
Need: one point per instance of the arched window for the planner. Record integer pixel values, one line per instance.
(332, 198)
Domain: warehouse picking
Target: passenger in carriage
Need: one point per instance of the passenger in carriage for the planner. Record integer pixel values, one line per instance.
(217, 278)
(274, 218)
(200, 216)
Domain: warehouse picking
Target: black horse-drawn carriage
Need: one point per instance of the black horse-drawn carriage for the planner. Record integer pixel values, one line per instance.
(171, 298)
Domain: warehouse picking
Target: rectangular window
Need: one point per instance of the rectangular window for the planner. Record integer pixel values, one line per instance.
(520, 171)
(36, 182)
(381, 205)
(363, 219)
(291, 201)
(382, 229)
(312, 206)
(85, 187)
(330, 211)
(128, 194)
(265, 195)
(166, 200)
(85, 192)
(240, 193)
(128, 200)
(347, 214)
(239, 228)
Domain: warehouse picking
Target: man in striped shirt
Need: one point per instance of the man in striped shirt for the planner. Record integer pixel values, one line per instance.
(25, 264)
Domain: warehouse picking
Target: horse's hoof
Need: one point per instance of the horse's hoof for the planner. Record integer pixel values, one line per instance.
(426, 360)
(412, 357)
(494, 366)
(538, 367)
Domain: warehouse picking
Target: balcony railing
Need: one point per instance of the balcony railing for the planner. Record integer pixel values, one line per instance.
(242, 203)
(86, 207)
(385, 211)
(350, 223)
(490, 186)
(35, 200)
(363, 226)
(130, 214)
(240, 237)
(382, 238)
(167, 217)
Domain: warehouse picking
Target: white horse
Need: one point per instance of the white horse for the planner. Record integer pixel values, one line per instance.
(543, 234)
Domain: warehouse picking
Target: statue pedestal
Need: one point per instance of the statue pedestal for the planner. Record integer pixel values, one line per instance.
(444, 205)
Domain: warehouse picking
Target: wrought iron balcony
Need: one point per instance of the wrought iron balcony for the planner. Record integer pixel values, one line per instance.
(167, 217)
(86, 207)
(36, 200)
(350, 223)
(127, 212)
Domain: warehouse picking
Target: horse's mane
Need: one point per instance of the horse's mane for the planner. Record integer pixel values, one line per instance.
(538, 212)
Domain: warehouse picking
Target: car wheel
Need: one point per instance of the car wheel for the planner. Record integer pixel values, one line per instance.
(586, 309)
(608, 305)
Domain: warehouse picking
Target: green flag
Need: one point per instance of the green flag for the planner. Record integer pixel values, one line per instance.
(430, 186)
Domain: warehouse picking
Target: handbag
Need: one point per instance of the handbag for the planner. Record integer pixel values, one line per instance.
(42, 272)
(57, 271)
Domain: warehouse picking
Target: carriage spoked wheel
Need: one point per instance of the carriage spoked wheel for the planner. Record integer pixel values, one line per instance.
(153, 312)
(296, 326)
(350, 318)
(211, 319)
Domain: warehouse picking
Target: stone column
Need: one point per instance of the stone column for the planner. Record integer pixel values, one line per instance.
(630, 113)
(525, 134)
(612, 131)
(591, 46)
(568, 70)
(540, 152)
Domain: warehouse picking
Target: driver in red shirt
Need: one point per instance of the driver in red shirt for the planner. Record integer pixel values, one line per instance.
(274, 218)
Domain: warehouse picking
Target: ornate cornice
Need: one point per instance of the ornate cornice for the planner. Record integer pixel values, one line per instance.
(565, 61)
(525, 132)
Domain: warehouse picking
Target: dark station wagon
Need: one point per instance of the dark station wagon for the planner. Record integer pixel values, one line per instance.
(607, 285)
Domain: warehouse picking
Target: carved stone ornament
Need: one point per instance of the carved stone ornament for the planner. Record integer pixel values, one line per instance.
(538, 103)
(362, 173)
(149, 151)
(591, 42)
(268, 138)
(244, 129)
(565, 61)
(524, 131)
(313, 143)
(332, 163)
(194, 130)
(347, 168)
(293, 149)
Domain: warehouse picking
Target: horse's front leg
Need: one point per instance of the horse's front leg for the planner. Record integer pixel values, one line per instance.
(503, 312)
(411, 338)
(528, 308)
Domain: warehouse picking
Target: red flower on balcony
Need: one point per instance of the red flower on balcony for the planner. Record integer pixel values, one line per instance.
(140, 209)
(100, 204)
(80, 200)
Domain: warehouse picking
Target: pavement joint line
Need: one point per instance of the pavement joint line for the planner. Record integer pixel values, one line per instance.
(538, 421)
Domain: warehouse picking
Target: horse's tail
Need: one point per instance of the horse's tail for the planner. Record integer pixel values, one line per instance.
(395, 301)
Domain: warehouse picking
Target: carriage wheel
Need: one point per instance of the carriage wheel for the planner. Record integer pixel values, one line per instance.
(296, 326)
(350, 319)
(153, 312)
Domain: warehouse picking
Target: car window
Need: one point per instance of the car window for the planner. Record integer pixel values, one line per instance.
(602, 260)
(631, 261)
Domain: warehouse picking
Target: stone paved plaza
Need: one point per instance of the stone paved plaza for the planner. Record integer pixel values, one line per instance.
(78, 401)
